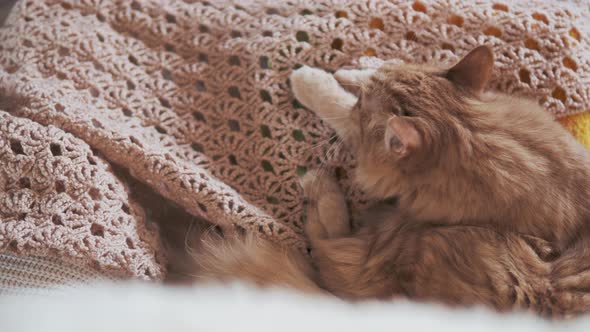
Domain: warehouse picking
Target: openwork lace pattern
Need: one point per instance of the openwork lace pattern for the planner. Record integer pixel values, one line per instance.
(193, 99)
(58, 198)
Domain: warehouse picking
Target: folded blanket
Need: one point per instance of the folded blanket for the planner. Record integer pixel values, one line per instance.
(192, 99)
(43, 275)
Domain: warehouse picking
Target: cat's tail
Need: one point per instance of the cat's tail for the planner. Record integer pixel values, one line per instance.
(253, 260)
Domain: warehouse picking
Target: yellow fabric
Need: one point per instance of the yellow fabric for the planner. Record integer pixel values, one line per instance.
(579, 126)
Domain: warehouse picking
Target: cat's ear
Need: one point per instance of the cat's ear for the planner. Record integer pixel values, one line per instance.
(473, 71)
(401, 136)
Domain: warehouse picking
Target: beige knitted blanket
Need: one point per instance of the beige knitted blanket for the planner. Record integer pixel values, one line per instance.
(192, 99)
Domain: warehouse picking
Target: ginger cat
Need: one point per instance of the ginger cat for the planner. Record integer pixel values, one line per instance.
(453, 153)
(492, 196)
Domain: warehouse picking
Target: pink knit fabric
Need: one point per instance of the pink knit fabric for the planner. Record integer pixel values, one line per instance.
(192, 98)
(58, 197)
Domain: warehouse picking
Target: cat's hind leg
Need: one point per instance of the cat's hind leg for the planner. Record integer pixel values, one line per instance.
(327, 213)
(340, 257)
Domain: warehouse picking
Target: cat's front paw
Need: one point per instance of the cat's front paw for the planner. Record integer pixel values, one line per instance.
(353, 79)
(311, 86)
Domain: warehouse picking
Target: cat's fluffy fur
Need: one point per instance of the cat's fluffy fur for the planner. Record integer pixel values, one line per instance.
(492, 195)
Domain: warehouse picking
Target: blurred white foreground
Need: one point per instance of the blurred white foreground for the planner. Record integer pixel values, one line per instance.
(147, 308)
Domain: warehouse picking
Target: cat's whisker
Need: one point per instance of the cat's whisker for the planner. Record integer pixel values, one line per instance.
(319, 144)
(336, 117)
(324, 142)
(336, 147)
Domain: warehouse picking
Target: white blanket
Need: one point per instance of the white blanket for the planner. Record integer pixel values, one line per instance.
(149, 307)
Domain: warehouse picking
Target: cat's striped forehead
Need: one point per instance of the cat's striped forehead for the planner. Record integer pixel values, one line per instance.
(420, 89)
(407, 86)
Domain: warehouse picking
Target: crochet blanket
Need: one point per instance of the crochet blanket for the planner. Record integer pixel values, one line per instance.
(191, 98)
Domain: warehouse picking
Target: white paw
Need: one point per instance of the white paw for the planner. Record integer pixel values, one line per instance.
(311, 86)
(353, 79)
